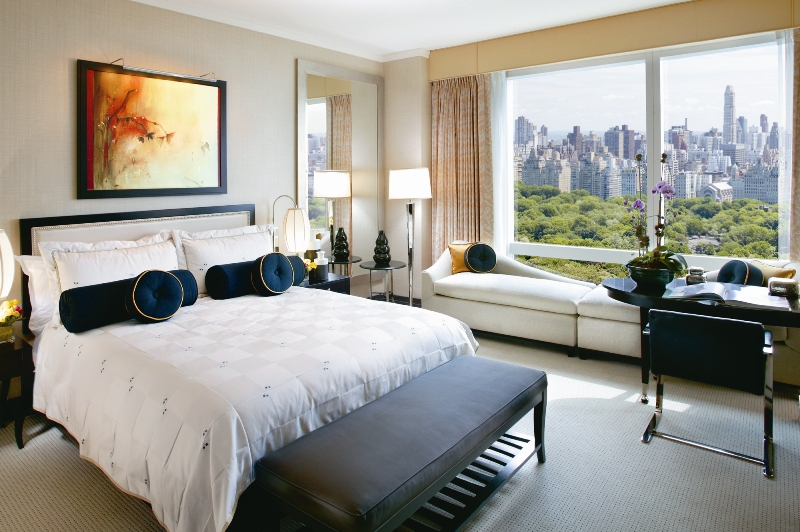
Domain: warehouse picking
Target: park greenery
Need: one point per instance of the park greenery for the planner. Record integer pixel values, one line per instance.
(544, 214)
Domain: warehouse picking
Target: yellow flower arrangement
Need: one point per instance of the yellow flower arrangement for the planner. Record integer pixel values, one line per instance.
(310, 265)
(10, 311)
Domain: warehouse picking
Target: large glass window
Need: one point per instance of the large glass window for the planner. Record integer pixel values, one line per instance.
(721, 126)
(576, 136)
(584, 137)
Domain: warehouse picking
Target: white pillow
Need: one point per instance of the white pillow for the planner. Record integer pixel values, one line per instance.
(204, 253)
(43, 306)
(180, 236)
(95, 267)
(103, 262)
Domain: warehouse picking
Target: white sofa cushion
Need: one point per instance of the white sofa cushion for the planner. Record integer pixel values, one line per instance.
(597, 304)
(523, 292)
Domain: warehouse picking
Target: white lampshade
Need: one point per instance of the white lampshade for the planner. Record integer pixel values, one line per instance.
(331, 184)
(414, 183)
(296, 230)
(7, 266)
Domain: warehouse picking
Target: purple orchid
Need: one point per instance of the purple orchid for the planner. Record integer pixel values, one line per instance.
(638, 205)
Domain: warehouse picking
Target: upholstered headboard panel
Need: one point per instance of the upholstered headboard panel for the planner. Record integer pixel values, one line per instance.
(125, 226)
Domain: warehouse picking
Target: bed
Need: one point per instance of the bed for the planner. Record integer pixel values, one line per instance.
(177, 413)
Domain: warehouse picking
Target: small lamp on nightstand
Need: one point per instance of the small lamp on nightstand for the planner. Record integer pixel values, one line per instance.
(411, 184)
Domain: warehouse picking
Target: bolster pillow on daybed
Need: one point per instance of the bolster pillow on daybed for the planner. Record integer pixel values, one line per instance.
(152, 296)
(299, 269)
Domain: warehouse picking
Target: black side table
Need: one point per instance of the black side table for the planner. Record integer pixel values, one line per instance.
(16, 360)
(335, 283)
(346, 265)
(388, 284)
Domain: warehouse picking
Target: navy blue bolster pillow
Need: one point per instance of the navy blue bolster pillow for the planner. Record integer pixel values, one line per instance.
(189, 284)
(299, 269)
(740, 272)
(90, 307)
(480, 258)
(225, 281)
(154, 296)
(272, 274)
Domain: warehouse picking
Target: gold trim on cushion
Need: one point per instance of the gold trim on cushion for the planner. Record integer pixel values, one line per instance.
(457, 252)
(770, 271)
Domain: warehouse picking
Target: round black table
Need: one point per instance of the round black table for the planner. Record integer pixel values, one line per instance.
(346, 264)
(624, 289)
(389, 269)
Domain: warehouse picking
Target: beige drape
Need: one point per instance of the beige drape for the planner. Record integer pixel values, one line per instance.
(794, 219)
(461, 162)
(339, 131)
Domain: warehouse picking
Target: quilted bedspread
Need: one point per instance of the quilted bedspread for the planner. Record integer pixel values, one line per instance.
(178, 413)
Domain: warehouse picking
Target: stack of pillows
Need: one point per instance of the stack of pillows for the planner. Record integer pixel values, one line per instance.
(89, 285)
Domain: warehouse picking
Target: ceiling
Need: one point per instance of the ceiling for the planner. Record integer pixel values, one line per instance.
(387, 30)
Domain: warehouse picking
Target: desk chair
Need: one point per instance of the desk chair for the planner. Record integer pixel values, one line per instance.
(730, 353)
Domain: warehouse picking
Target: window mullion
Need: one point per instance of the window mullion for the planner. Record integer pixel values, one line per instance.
(654, 139)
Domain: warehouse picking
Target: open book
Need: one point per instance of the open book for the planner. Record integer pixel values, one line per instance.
(730, 294)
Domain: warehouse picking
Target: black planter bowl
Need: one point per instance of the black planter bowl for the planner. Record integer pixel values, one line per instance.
(650, 279)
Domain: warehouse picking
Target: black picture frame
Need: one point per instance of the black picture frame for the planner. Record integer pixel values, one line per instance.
(86, 148)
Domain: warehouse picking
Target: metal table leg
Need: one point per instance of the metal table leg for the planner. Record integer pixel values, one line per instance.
(644, 318)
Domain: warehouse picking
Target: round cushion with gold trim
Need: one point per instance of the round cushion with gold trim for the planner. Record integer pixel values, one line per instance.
(740, 272)
(272, 274)
(154, 296)
(480, 258)
(299, 268)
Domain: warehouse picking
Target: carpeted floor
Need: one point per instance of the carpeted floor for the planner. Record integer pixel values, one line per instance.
(598, 475)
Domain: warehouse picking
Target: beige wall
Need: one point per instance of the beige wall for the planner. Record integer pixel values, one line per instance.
(40, 41)
(407, 137)
(689, 22)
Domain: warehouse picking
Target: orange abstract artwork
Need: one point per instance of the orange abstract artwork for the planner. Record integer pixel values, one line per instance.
(149, 133)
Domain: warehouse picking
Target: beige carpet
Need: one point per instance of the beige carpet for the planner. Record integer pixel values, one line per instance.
(598, 475)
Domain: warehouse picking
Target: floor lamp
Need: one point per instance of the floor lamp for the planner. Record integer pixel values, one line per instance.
(7, 266)
(411, 184)
(331, 184)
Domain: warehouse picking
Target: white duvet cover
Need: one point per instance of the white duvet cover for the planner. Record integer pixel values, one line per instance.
(178, 413)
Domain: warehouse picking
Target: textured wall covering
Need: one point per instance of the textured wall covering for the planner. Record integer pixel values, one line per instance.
(794, 220)
(40, 41)
(407, 137)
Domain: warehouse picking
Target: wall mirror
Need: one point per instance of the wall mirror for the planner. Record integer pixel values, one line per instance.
(338, 114)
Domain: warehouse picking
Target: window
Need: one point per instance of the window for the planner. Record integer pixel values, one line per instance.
(718, 112)
(317, 160)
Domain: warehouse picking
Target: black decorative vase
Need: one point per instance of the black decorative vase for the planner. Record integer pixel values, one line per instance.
(382, 256)
(341, 250)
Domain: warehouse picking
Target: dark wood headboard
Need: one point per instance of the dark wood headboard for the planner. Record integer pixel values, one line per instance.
(27, 225)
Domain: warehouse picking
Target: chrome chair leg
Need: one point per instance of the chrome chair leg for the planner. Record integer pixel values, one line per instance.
(769, 450)
(651, 431)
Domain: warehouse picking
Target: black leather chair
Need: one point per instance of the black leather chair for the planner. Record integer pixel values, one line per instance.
(730, 353)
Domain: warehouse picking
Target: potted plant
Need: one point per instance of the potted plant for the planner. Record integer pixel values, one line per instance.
(654, 269)
(10, 312)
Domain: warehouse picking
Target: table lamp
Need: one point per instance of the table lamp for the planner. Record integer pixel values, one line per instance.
(331, 184)
(410, 184)
(295, 226)
(7, 266)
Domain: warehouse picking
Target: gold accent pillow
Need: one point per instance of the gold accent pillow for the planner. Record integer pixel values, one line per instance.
(457, 257)
(773, 271)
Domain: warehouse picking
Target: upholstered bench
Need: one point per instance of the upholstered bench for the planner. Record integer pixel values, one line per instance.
(375, 467)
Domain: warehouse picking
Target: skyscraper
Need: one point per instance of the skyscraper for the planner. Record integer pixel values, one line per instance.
(764, 124)
(741, 131)
(729, 117)
(774, 142)
(523, 130)
(576, 139)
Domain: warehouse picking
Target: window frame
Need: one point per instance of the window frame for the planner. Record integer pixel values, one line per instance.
(653, 130)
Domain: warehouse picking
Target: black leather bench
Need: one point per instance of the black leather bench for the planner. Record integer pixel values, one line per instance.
(445, 432)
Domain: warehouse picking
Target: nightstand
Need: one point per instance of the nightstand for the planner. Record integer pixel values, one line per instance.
(16, 360)
(335, 283)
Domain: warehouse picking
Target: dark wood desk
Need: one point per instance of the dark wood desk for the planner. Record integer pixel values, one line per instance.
(625, 290)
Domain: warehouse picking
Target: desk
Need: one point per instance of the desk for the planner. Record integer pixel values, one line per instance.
(624, 290)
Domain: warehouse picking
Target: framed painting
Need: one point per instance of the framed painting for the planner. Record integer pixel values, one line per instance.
(148, 134)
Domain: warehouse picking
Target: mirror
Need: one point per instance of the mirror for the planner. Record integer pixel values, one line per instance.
(338, 163)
